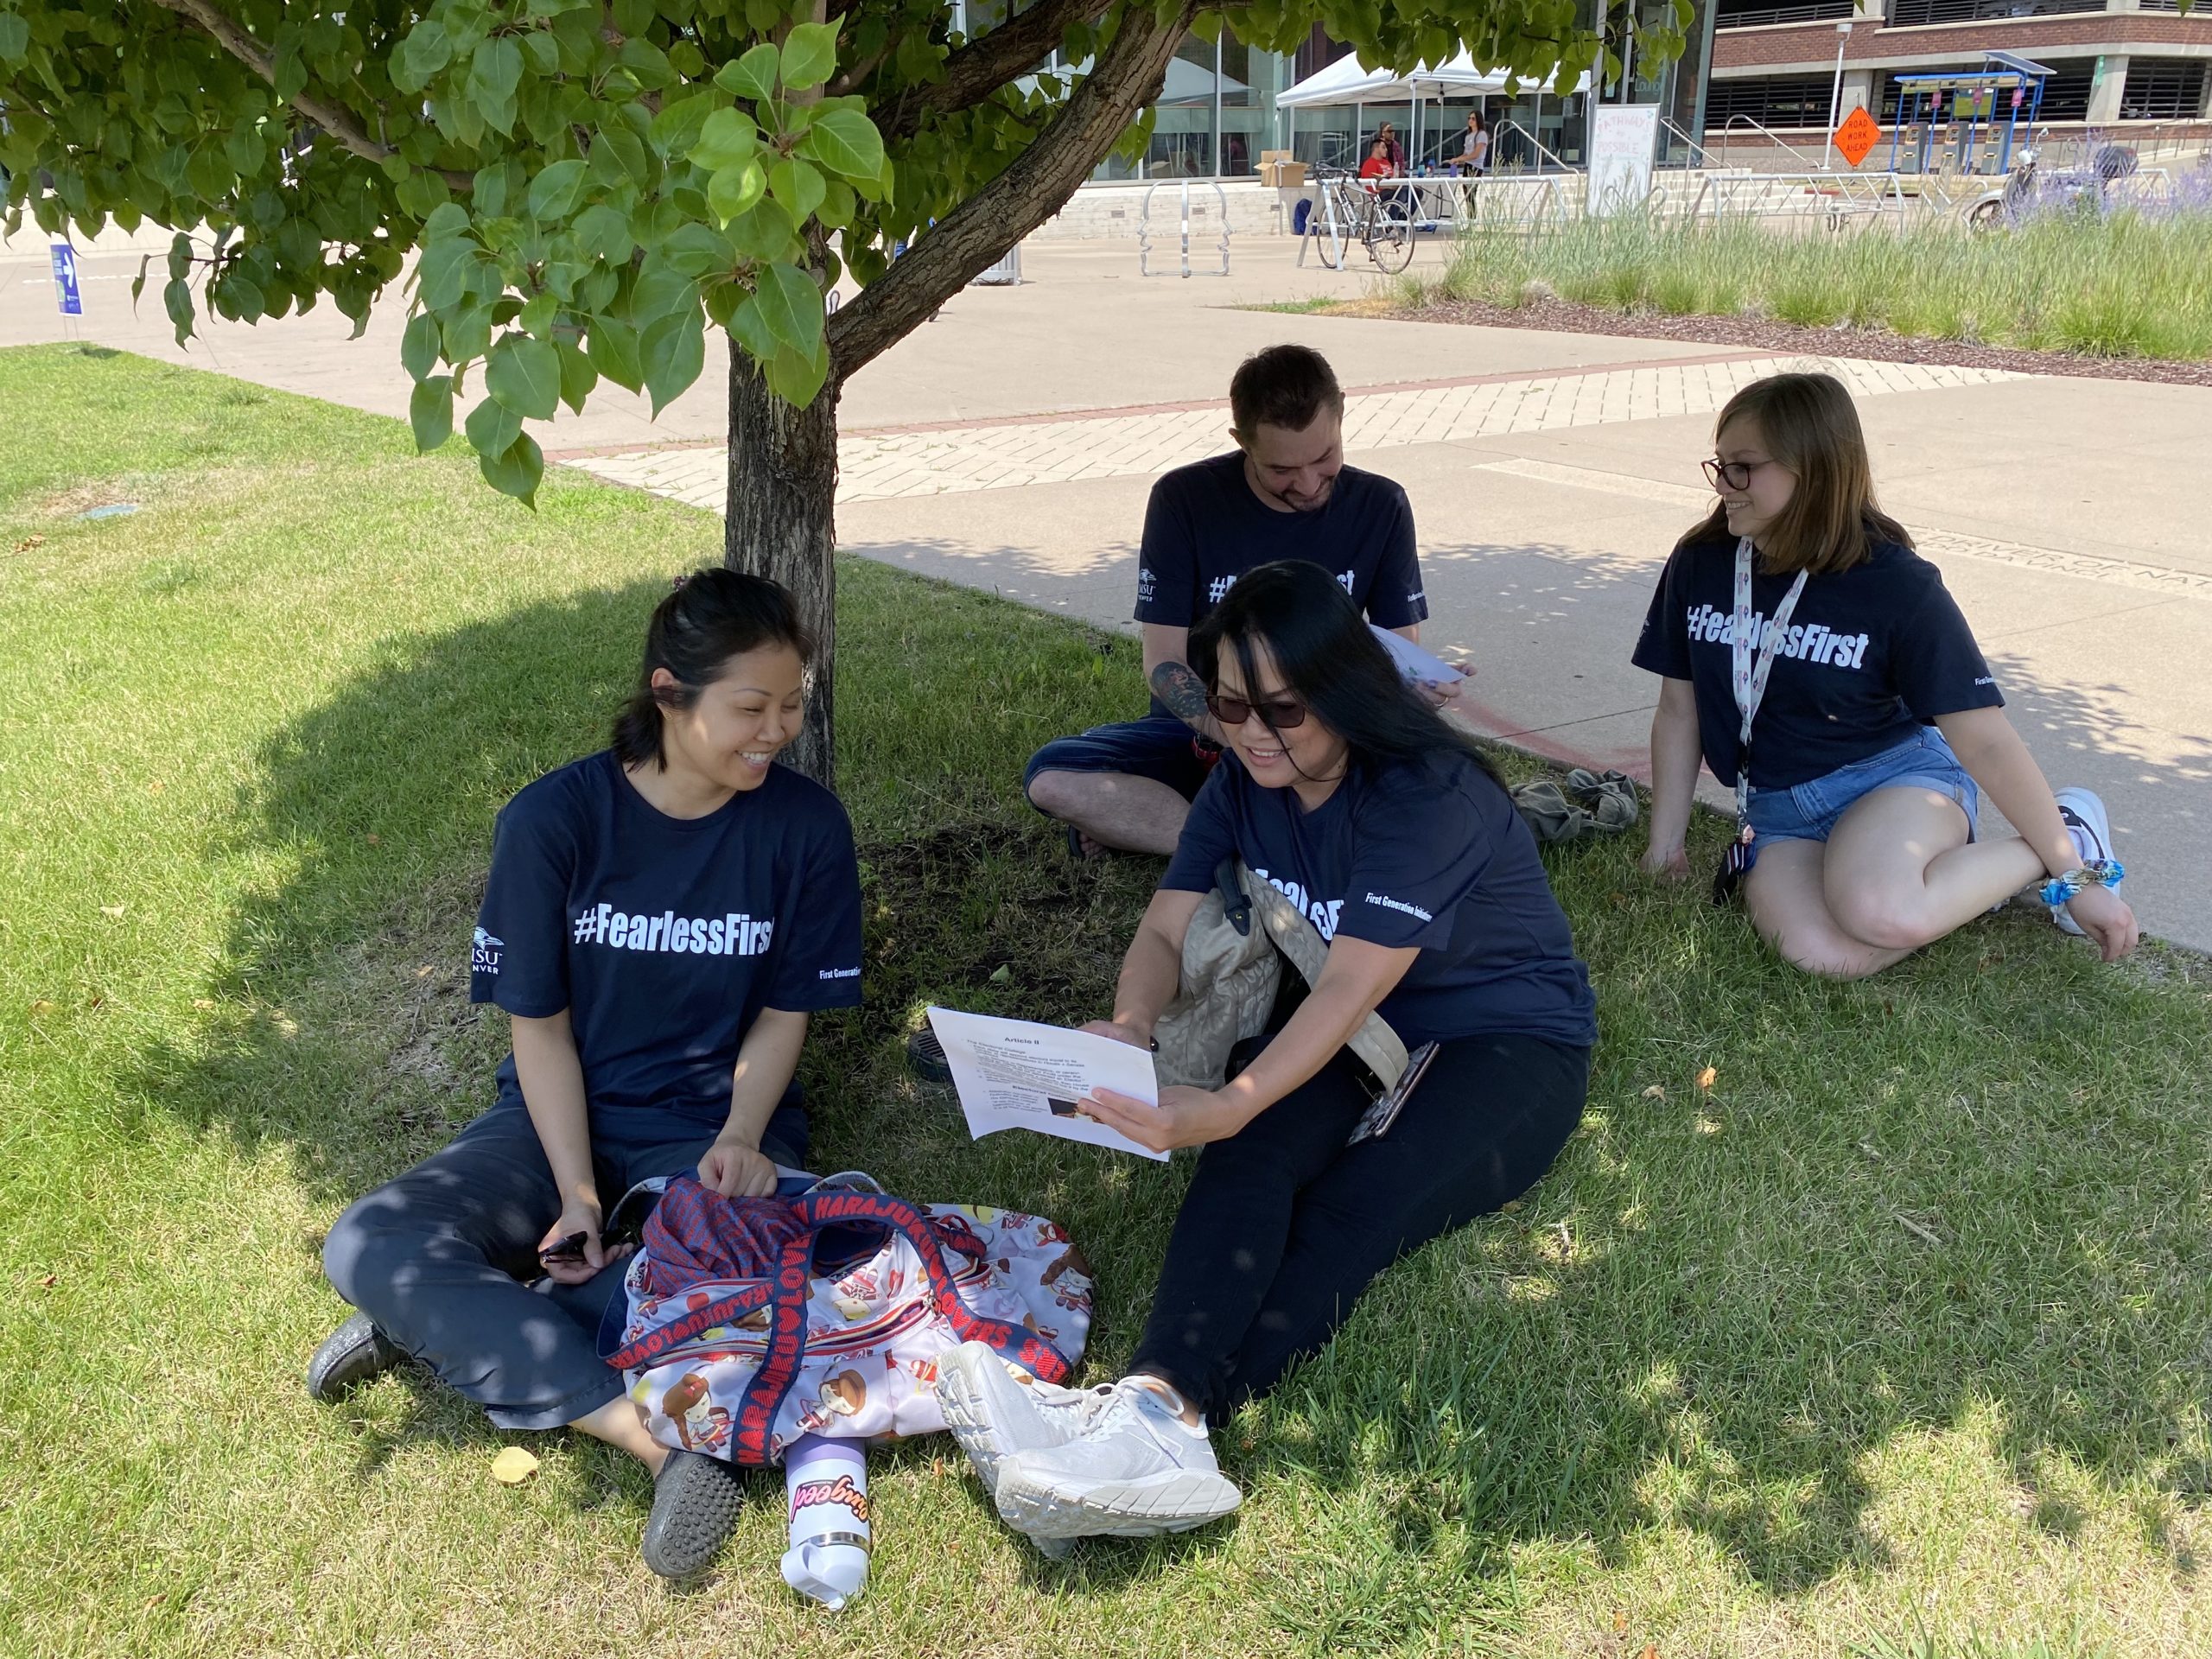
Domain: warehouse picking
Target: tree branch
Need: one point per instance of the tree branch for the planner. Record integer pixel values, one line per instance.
(1035, 186)
(988, 62)
(334, 119)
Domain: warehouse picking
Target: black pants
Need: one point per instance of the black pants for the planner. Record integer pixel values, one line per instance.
(438, 1256)
(1284, 1225)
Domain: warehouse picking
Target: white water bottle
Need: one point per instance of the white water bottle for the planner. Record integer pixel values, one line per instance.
(825, 1482)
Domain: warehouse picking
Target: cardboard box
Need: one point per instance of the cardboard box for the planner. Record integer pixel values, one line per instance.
(1283, 175)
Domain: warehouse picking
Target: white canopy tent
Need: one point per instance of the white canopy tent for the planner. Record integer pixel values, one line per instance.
(1345, 82)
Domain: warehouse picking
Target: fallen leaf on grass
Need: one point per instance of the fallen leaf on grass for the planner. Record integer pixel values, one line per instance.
(373, 841)
(514, 1466)
(47, 1283)
(42, 1006)
(29, 543)
(1705, 1080)
(1620, 1620)
(156, 787)
(113, 912)
(1002, 973)
(1651, 1652)
(1917, 1229)
(204, 1004)
(1656, 1091)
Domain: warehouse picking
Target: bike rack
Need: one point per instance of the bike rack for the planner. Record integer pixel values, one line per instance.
(1144, 230)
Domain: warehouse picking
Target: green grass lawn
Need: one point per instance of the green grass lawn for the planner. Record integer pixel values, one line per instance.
(2120, 287)
(1903, 1327)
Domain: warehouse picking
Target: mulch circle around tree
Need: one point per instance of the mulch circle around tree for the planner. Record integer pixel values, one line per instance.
(1789, 339)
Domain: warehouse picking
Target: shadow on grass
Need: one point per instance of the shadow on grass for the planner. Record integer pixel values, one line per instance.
(1960, 1198)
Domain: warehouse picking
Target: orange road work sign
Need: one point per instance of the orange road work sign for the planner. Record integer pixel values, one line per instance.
(1857, 136)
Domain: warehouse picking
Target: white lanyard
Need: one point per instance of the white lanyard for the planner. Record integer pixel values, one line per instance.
(1753, 667)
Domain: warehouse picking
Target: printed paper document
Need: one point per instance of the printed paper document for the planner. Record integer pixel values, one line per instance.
(1013, 1075)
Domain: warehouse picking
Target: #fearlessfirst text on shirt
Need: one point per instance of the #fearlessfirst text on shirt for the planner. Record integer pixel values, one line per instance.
(1871, 655)
(665, 938)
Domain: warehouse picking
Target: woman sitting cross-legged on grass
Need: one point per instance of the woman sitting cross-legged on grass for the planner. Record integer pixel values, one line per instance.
(1388, 830)
(660, 920)
(1817, 664)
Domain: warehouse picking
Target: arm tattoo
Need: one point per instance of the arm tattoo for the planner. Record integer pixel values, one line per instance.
(1185, 694)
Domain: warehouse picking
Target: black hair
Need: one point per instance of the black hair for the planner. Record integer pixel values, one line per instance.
(1327, 655)
(713, 615)
(1284, 385)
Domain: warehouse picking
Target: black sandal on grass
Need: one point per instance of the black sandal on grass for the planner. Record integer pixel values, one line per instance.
(696, 1499)
(925, 1056)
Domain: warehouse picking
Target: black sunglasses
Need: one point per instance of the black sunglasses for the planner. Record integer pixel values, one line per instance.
(1281, 713)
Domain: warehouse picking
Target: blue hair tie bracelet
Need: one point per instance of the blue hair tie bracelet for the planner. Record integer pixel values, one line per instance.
(2098, 873)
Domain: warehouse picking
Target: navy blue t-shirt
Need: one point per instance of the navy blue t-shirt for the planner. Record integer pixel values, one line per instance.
(1873, 654)
(665, 938)
(1428, 854)
(1204, 527)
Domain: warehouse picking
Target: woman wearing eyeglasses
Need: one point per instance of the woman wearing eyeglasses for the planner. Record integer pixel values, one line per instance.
(1816, 663)
(1344, 789)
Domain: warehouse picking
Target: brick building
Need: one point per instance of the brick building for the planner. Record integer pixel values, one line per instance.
(2118, 64)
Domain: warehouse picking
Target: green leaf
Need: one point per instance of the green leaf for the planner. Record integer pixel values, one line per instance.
(139, 282)
(797, 185)
(430, 411)
(675, 129)
(790, 305)
(15, 38)
(751, 76)
(766, 233)
(424, 52)
(751, 330)
(726, 138)
(838, 206)
(467, 334)
(447, 219)
(847, 142)
(179, 255)
(577, 376)
(542, 51)
(672, 352)
(613, 347)
(516, 471)
(604, 231)
(618, 158)
(177, 298)
(495, 71)
(797, 377)
(442, 276)
(658, 290)
(733, 190)
(243, 149)
(492, 427)
(646, 62)
(634, 16)
(418, 347)
(524, 374)
(809, 56)
(695, 250)
(553, 191)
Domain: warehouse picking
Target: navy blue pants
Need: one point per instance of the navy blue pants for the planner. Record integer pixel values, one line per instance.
(1158, 746)
(438, 1256)
(1284, 1225)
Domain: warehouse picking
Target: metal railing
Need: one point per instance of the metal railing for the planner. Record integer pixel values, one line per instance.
(1744, 123)
(1144, 227)
(1499, 165)
(1806, 12)
(1915, 13)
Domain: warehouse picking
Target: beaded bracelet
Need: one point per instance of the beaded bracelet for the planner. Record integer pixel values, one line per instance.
(2097, 873)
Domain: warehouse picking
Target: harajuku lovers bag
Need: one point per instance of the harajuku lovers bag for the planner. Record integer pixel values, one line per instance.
(838, 1329)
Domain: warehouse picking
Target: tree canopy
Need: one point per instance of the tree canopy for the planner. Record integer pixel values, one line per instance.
(586, 185)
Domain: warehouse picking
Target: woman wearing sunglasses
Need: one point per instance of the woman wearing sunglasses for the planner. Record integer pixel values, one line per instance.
(1816, 663)
(1344, 789)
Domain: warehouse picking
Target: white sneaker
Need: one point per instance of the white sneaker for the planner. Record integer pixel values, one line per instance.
(1131, 1469)
(994, 1410)
(2090, 825)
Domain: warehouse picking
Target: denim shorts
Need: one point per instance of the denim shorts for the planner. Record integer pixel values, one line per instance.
(1809, 811)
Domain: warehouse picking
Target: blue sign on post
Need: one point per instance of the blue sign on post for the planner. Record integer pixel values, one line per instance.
(65, 281)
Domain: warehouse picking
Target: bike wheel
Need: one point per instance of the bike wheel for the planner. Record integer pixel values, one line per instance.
(1392, 244)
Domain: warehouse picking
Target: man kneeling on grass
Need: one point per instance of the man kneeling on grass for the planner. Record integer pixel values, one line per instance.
(1283, 493)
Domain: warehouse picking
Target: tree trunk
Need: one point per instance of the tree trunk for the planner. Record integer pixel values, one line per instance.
(780, 522)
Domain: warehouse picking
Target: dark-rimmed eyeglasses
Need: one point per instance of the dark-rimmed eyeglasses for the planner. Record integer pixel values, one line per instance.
(1279, 712)
(1732, 474)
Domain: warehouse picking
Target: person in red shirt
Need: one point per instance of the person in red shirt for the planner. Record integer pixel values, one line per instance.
(1378, 164)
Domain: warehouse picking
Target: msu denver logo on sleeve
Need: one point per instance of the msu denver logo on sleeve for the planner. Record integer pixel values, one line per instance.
(484, 955)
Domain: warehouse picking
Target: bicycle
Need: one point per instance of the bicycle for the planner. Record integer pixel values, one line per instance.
(1346, 210)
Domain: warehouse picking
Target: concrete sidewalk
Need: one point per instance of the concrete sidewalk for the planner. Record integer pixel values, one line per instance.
(1010, 445)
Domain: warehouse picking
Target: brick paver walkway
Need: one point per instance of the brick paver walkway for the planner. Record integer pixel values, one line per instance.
(1057, 449)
